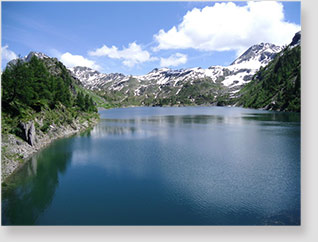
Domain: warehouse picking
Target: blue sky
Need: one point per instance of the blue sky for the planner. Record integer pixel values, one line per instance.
(135, 37)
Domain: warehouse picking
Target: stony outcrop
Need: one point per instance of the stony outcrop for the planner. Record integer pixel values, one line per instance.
(296, 40)
(28, 132)
(16, 150)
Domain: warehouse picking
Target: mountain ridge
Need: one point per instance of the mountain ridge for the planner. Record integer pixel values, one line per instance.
(252, 59)
(215, 85)
(164, 83)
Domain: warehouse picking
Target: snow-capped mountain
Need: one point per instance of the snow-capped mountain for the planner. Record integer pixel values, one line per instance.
(257, 55)
(246, 65)
(92, 79)
(164, 82)
(192, 85)
(214, 85)
(169, 76)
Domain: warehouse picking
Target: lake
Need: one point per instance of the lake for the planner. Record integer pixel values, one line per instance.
(165, 166)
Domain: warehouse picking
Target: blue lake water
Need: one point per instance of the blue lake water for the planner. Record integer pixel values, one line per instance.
(165, 166)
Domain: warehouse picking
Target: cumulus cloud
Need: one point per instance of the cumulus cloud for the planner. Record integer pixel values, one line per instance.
(7, 55)
(173, 60)
(131, 56)
(77, 60)
(226, 26)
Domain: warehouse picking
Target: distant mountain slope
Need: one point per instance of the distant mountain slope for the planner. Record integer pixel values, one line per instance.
(165, 86)
(277, 86)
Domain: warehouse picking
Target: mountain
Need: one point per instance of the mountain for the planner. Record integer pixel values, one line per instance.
(183, 86)
(276, 86)
(92, 79)
(260, 54)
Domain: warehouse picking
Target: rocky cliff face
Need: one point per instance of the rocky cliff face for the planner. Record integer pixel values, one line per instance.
(296, 39)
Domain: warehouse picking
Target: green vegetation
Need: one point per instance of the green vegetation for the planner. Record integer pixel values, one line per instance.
(277, 86)
(194, 92)
(97, 99)
(30, 85)
(85, 103)
(41, 90)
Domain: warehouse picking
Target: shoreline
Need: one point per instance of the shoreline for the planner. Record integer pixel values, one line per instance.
(18, 151)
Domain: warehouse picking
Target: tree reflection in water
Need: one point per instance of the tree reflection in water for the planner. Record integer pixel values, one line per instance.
(31, 189)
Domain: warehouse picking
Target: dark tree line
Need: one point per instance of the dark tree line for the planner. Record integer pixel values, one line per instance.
(85, 103)
(30, 85)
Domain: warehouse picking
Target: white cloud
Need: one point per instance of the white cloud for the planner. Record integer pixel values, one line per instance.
(173, 60)
(7, 55)
(77, 60)
(226, 26)
(131, 56)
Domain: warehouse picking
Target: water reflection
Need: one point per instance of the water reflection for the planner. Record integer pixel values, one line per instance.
(156, 125)
(274, 116)
(165, 166)
(113, 130)
(172, 119)
(32, 189)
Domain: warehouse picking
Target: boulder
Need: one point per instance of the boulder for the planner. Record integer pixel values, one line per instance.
(28, 132)
(18, 142)
(31, 134)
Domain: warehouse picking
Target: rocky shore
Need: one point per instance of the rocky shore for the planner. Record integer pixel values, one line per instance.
(15, 151)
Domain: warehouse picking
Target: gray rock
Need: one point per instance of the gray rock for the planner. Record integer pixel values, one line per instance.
(28, 132)
(25, 128)
(296, 39)
(19, 142)
(31, 135)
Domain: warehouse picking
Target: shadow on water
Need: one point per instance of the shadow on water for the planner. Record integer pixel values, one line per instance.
(30, 191)
(273, 116)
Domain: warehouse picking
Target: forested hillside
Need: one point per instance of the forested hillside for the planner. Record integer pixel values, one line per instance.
(41, 101)
(29, 88)
(278, 85)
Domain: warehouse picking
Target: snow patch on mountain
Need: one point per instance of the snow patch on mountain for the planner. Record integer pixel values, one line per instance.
(233, 76)
(94, 80)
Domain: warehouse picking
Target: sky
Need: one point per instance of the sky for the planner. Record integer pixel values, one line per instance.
(136, 37)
